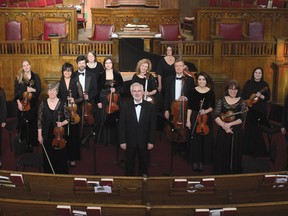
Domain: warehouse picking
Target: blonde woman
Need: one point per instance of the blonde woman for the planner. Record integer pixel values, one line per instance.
(27, 88)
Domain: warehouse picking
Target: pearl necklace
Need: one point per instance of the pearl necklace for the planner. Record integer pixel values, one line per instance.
(91, 65)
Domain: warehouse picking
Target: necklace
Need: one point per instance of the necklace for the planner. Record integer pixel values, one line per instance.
(91, 65)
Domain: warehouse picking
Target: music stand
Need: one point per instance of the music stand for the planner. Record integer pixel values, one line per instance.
(261, 118)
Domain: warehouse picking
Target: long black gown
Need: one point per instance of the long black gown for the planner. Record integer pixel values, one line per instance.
(108, 132)
(27, 120)
(228, 147)
(254, 144)
(73, 139)
(201, 146)
(47, 119)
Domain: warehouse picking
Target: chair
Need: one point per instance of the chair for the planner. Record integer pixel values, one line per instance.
(236, 4)
(53, 28)
(170, 32)
(274, 120)
(213, 3)
(12, 119)
(81, 21)
(225, 4)
(230, 31)
(278, 4)
(256, 31)
(13, 30)
(262, 3)
(102, 32)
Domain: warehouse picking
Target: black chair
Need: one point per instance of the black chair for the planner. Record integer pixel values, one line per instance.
(11, 121)
(274, 119)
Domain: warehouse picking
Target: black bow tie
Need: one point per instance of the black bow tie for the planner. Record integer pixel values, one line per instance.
(178, 78)
(140, 104)
(81, 73)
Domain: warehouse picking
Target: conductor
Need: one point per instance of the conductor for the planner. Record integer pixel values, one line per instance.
(137, 129)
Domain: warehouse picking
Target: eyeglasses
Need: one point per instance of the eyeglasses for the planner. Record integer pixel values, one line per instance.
(108, 62)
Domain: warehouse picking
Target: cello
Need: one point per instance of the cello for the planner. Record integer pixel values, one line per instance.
(73, 108)
(112, 101)
(87, 112)
(58, 142)
(176, 130)
(27, 96)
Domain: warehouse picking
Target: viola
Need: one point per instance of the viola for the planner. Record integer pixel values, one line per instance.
(73, 111)
(58, 142)
(202, 127)
(112, 102)
(87, 113)
(26, 97)
(229, 116)
(253, 98)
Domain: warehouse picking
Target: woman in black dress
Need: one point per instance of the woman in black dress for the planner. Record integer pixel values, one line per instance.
(200, 107)
(230, 113)
(53, 113)
(3, 115)
(148, 81)
(110, 88)
(165, 68)
(71, 93)
(258, 91)
(27, 88)
(93, 65)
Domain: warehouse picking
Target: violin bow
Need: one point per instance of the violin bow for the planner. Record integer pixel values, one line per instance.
(194, 126)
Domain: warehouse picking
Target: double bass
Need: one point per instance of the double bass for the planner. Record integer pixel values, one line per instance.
(112, 101)
(75, 118)
(176, 130)
(58, 142)
(26, 97)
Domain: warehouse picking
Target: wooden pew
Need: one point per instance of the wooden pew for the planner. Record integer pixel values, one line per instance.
(46, 187)
(18, 207)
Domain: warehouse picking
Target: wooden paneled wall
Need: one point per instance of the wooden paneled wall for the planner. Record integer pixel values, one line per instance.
(121, 17)
(32, 20)
(208, 19)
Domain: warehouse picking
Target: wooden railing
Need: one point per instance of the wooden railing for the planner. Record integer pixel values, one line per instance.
(101, 48)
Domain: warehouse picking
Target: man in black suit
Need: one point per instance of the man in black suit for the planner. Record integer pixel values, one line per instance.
(137, 129)
(88, 81)
(177, 86)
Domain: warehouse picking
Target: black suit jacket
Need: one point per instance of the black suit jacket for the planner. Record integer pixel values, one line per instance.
(188, 87)
(134, 133)
(90, 87)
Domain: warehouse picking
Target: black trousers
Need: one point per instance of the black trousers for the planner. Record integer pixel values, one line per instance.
(143, 161)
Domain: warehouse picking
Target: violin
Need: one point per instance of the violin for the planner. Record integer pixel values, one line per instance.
(202, 127)
(27, 96)
(113, 101)
(87, 114)
(59, 142)
(229, 116)
(73, 108)
(253, 98)
(179, 112)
